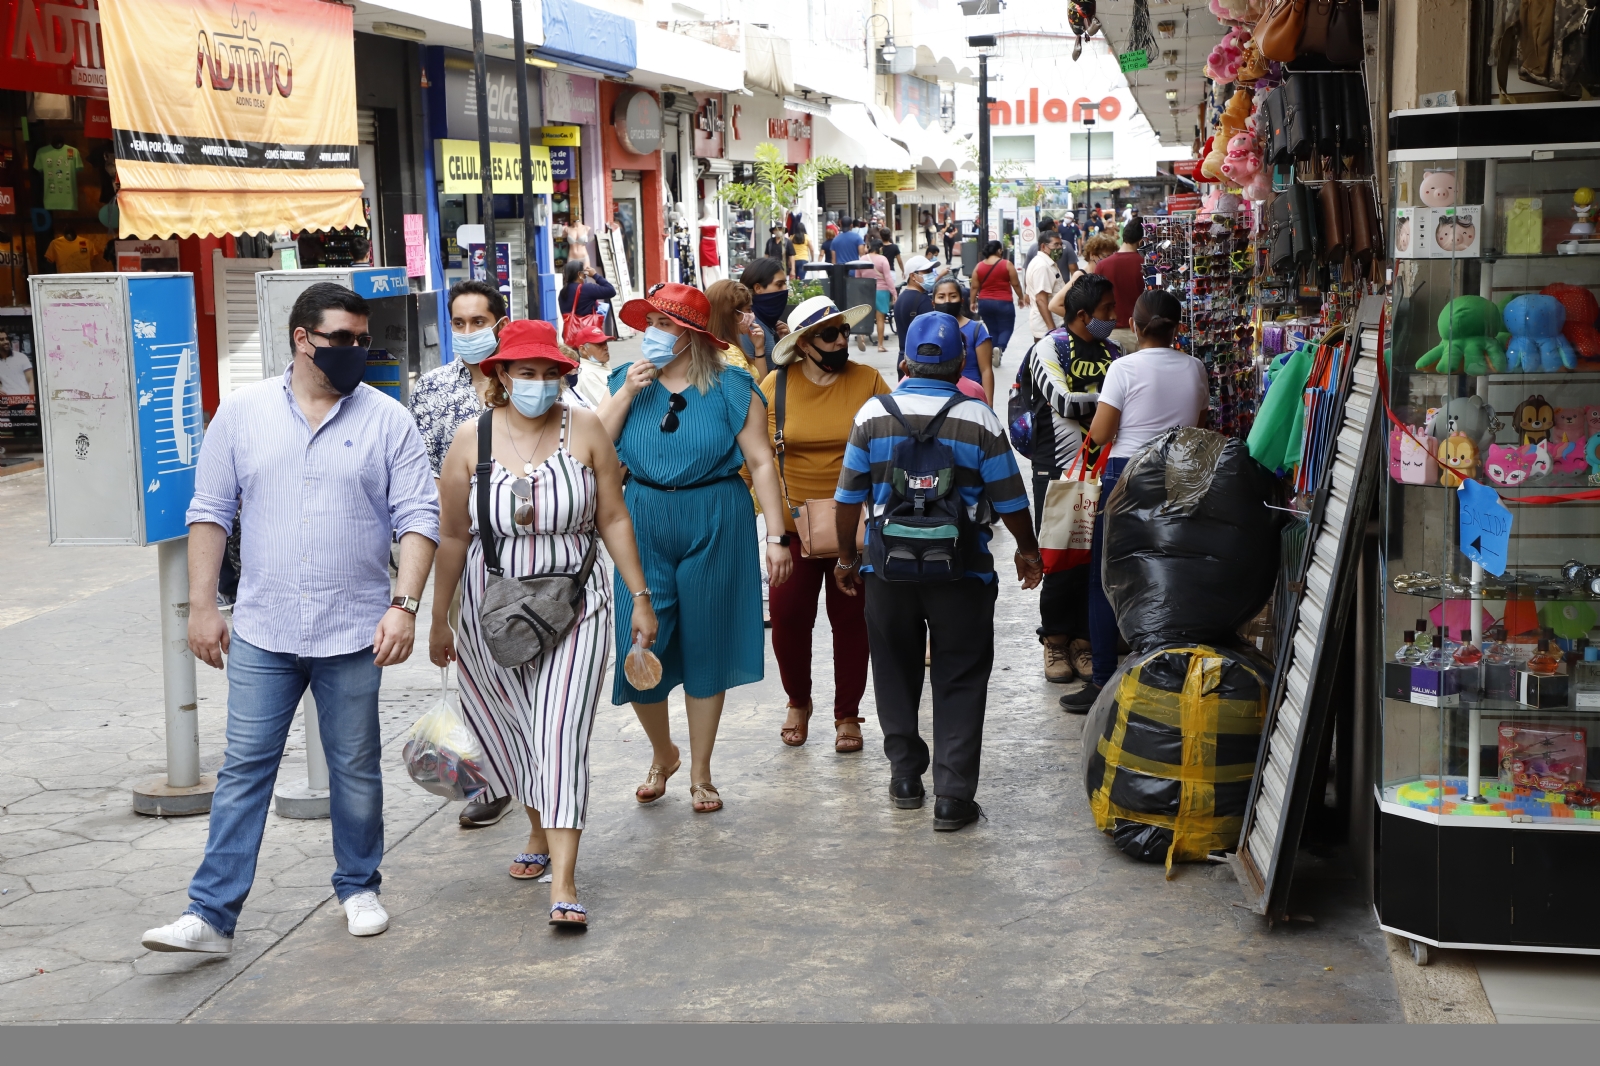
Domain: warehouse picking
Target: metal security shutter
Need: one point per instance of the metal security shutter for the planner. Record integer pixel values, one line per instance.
(836, 192)
(238, 320)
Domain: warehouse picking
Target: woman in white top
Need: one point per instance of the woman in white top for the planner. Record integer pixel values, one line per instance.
(1146, 393)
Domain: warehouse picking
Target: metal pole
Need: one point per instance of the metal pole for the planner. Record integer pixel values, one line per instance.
(177, 666)
(183, 790)
(485, 163)
(983, 151)
(530, 228)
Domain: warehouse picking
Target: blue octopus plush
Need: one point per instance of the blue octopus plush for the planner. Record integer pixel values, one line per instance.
(1537, 344)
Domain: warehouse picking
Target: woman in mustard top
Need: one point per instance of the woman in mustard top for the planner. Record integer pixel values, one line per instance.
(821, 392)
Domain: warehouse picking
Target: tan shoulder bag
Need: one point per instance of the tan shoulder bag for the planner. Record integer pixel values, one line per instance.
(814, 520)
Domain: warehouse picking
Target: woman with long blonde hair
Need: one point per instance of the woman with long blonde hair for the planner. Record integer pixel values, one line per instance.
(684, 423)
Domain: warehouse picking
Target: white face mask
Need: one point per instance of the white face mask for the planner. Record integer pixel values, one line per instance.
(474, 347)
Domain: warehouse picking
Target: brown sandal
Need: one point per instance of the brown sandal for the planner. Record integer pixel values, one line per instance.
(655, 781)
(705, 792)
(793, 735)
(845, 743)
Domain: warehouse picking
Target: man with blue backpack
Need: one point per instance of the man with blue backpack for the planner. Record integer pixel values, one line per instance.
(935, 469)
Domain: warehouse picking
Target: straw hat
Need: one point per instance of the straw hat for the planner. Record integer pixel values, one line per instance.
(809, 317)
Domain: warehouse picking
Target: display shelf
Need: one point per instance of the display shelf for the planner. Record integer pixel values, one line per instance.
(1507, 707)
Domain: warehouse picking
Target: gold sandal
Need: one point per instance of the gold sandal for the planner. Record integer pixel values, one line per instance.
(705, 792)
(845, 743)
(795, 735)
(655, 781)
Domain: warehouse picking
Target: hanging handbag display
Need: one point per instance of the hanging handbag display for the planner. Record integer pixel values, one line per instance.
(1330, 112)
(1279, 30)
(1282, 235)
(1277, 154)
(1300, 111)
(1066, 526)
(1366, 239)
(524, 618)
(1333, 202)
(1332, 29)
(1302, 224)
(1354, 131)
(814, 520)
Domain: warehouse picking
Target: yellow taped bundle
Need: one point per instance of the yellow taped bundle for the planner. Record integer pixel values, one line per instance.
(1171, 750)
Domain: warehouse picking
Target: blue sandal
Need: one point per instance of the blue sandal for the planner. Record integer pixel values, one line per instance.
(525, 859)
(572, 908)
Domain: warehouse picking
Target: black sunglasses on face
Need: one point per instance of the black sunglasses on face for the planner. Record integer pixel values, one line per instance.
(829, 334)
(675, 403)
(343, 338)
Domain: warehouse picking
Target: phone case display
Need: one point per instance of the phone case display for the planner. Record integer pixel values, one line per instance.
(1491, 548)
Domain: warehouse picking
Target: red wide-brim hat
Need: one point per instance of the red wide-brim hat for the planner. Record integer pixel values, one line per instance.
(684, 304)
(528, 339)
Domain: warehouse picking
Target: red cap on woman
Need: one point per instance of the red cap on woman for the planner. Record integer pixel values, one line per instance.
(528, 339)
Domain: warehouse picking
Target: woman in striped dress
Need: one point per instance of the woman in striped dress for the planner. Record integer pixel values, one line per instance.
(555, 485)
(684, 424)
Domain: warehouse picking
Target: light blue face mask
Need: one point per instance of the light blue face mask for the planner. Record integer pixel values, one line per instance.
(658, 346)
(534, 398)
(474, 347)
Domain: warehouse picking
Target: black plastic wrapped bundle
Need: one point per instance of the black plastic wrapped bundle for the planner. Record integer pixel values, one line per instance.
(1190, 548)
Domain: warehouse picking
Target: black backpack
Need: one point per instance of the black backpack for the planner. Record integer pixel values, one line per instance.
(923, 533)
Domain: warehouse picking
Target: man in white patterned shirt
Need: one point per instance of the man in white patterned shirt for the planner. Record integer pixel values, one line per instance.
(323, 473)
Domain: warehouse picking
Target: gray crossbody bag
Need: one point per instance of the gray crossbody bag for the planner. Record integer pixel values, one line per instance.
(523, 618)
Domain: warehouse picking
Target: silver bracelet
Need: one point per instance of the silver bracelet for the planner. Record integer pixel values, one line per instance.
(645, 592)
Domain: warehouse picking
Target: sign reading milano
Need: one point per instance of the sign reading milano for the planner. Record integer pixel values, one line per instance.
(232, 117)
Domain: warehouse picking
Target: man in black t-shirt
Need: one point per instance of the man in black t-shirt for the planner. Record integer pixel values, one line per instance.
(781, 248)
(914, 299)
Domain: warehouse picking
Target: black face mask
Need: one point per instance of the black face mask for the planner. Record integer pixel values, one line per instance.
(768, 306)
(953, 308)
(344, 367)
(833, 362)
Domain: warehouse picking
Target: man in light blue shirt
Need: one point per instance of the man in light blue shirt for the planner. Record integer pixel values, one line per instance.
(847, 245)
(322, 472)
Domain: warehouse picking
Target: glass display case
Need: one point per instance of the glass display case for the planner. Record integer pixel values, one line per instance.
(1489, 791)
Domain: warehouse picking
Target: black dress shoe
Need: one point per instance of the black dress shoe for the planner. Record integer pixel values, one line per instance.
(951, 813)
(906, 792)
(1080, 701)
(485, 812)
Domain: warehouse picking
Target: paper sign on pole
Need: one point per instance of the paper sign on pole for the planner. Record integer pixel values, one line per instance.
(416, 247)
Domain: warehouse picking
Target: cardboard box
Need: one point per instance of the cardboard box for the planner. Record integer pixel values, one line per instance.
(1397, 681)
(1444, 688)
(1500, 682)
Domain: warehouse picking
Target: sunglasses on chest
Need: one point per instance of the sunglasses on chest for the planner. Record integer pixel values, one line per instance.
(675, 403)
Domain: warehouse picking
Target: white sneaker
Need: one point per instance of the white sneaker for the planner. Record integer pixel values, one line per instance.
(365, 915)
(188, 933)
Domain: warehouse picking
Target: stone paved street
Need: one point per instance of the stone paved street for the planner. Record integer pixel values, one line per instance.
(808, 898)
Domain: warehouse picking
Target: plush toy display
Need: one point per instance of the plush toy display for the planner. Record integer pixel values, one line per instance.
(1216, 153)
(1533, 419)
(1583, 212)
(1570, 426)
(1222, 65)
(1591, 455)
(1582, 311)
(1537, 344)
(1438, 188)
(1568, 457)
(1231, 12)
(1411, 460)
(1508, 464)
(1467, 329)
(1243, 165)
(1458, 460)
(1592, 417)
(1471, 415)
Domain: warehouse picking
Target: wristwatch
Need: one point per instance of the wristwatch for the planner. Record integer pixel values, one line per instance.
(408, 604)
(782, 541)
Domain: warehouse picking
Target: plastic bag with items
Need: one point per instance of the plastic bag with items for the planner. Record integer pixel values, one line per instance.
(1170, 750)
(441, 753)
(1190, 546)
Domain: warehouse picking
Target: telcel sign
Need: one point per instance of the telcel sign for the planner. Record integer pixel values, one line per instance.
(1054, 109)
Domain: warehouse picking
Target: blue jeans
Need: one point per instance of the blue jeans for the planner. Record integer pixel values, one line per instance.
(999, 318)
(264, 687)
(1103, 634)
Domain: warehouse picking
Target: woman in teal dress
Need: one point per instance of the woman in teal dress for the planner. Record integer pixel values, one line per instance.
(684, 424)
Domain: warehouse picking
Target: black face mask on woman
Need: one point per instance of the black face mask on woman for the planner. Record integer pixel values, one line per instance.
(832, 362)
(951, 307)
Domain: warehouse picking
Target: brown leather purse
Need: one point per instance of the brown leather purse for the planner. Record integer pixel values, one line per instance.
(1366, 243)
(815, 521)
(1334, 202)
(1280, 29)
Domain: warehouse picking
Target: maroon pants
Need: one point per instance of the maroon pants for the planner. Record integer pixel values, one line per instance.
(794, 616)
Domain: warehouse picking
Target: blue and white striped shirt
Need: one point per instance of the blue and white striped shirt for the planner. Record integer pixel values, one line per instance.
(319, 511)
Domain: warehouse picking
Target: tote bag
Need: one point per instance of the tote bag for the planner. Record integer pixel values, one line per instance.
(1066, 532)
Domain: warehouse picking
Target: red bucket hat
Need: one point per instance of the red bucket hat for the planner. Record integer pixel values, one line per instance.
(684, 304)
(528, 339)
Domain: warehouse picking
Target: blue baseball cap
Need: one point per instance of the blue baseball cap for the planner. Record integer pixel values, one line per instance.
(935, 328)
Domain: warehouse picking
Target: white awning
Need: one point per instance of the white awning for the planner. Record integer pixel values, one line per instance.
(677, 59)
(929, 147)
(848, 133)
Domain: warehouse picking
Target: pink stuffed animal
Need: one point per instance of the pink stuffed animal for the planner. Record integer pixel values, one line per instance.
(1223, 64)
(1231, 12)
(1592, 415)
(1243, 161)
(1570, 425)
(1569, 456)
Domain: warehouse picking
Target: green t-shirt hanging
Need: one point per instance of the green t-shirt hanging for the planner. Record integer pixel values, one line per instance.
(60, 168)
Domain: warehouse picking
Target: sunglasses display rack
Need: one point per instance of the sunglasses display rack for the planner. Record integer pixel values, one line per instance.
(1206, 264)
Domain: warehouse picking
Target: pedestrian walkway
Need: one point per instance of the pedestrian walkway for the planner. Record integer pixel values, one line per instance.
(807, 898)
